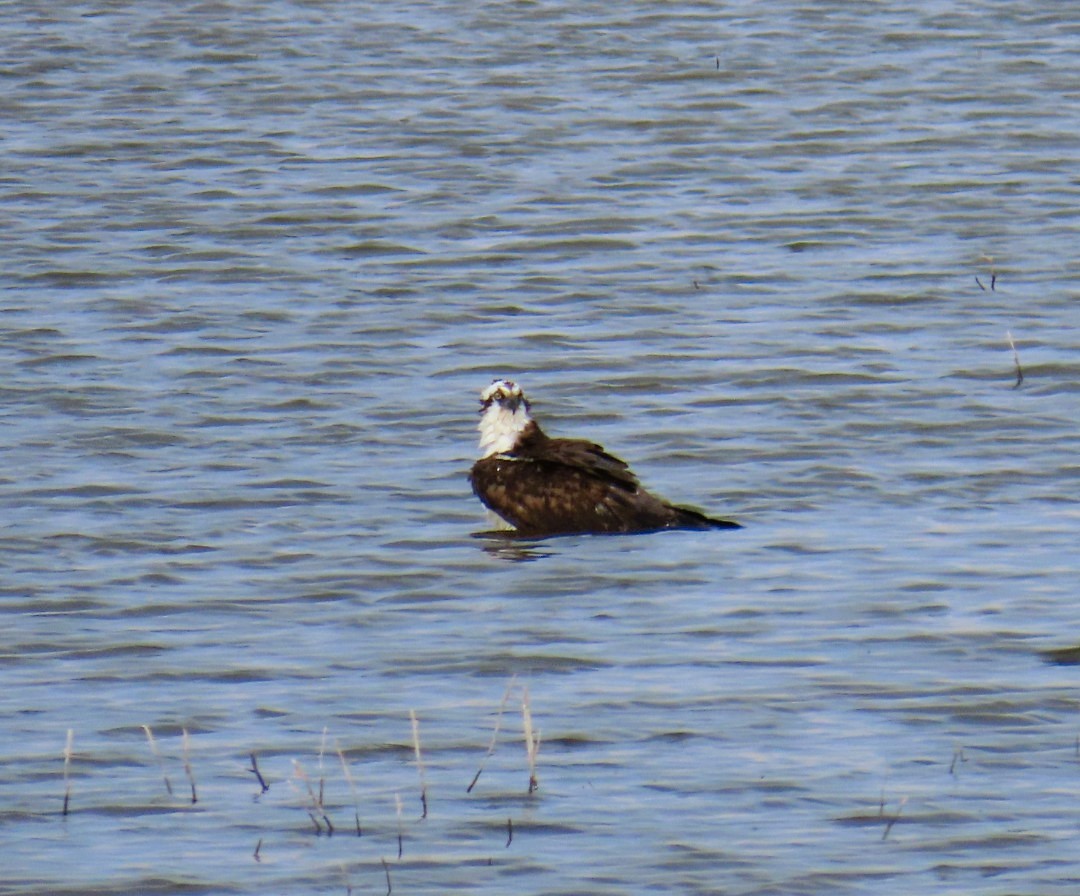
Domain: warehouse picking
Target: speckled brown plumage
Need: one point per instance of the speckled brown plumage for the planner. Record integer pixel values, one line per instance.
(545, 486)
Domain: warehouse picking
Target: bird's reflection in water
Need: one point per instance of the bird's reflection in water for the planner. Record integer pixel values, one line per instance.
(507, 545)
(1061, 656)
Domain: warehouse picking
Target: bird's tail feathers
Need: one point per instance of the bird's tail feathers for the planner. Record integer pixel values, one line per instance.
(693, 519)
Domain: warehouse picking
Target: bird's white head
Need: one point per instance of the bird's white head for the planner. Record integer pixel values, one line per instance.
(504, 414)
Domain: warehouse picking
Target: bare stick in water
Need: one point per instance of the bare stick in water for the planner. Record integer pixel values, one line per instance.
(258, 775)
(1016, 360)
(494, 733)
(352, 788)
(187, 766)
(258, 846)
(157, 755)
(67, 769)
(419, 761)
(386, 868)
(532, 741)
(509, 832)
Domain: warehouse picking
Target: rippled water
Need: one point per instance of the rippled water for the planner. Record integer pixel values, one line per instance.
(259, 262)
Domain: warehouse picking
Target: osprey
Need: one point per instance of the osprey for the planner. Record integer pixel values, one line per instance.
(543, 486)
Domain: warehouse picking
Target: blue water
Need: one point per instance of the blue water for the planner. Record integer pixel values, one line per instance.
(258, 266)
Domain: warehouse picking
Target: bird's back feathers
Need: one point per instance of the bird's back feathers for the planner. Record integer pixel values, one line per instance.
(545, 486)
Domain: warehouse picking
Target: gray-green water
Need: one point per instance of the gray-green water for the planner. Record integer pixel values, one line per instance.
(258, 261)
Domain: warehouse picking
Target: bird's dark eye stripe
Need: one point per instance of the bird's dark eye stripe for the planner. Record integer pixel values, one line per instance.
(499, 395)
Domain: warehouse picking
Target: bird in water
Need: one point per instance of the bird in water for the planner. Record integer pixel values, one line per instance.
(541, 486)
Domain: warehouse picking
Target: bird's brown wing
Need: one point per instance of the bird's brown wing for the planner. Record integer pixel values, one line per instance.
(570, 486)
(588, 457)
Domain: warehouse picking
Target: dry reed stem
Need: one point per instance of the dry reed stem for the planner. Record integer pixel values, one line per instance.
(494, 733)
(157, 755)
(958, 756)
(315, 811)
(347, 878)
(322, 774)
(352, 787)
(894, 819)
(419, 761)
(993, 274)
(187, 765)
(532, 741)
(400, 834)
(1016, 361)
(68, 746)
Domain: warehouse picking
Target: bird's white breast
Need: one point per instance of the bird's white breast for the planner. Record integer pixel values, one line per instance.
(500, 429)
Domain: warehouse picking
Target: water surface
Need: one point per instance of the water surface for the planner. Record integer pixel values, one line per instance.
(257, 267)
